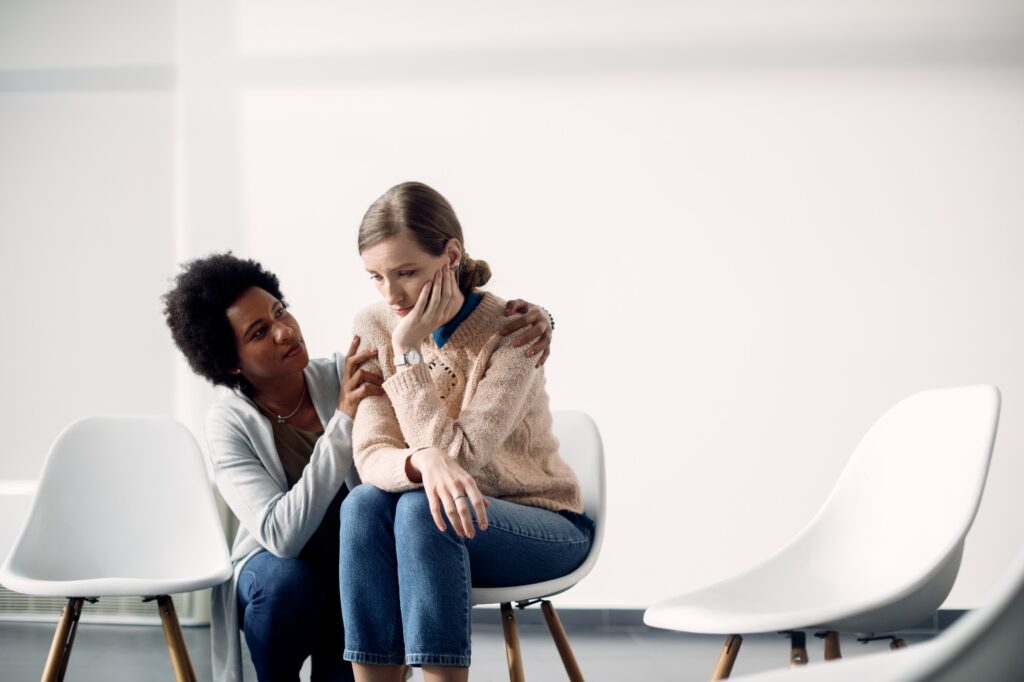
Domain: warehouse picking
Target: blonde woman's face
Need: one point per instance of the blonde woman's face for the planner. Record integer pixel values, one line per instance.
(400, 268)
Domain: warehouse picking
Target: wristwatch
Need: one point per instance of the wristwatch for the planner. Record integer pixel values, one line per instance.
(409, 357)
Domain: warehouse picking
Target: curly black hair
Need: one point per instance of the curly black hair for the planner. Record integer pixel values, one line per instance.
(196, 311)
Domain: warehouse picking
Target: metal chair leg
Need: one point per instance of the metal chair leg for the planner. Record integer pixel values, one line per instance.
(797, 648)
(727, 658)
(515, 659)
(572, 668)
(180, 661)
(63, 640)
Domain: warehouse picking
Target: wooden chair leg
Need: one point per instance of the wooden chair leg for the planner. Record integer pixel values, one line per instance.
(797, 649)
(727, 658)
(561, 641)
(180, 661)
(832, 652)
(63, 640)
(897, 643)
(515, 659)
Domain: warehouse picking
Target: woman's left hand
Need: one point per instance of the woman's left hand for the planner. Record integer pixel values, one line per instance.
(449, 489)
(539, 332)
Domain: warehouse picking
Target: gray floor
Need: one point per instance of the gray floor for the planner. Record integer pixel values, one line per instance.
(110, 653)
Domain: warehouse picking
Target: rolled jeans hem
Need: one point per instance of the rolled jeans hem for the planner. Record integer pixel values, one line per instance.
(437, 659)
(374, 659)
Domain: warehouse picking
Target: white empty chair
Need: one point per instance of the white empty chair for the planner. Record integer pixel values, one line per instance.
(124, 507)
(882, 552)
(983, 645)
(580, 446)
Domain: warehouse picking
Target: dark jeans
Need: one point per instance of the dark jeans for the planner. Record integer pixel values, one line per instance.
(289, 612)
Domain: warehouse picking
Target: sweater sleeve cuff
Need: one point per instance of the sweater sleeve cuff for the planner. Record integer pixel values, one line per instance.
(399, 479)
(408, 382)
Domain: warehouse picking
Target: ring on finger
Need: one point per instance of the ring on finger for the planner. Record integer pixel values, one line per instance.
(459, 497)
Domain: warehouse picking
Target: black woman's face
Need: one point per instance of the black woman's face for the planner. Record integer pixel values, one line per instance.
(267, 337)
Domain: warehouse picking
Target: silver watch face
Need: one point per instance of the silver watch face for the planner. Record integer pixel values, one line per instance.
(409, 357)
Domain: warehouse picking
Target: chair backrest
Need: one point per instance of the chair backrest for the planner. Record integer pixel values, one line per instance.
(120, 497)
(579, 444)
(907, 496)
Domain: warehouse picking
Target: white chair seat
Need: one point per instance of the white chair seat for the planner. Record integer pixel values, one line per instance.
(498, 595)
(774, 597)
(112, 586)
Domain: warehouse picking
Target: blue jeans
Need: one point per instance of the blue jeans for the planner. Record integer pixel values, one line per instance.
(290, 610)
(406, 587)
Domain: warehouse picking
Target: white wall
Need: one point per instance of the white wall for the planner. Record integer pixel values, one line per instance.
(87, 216)
(757, 229)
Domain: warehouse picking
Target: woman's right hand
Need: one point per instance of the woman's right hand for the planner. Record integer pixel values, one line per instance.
(357, 383)
(449, 487)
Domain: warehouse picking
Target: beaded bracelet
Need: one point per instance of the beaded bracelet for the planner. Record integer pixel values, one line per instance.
(550, 317)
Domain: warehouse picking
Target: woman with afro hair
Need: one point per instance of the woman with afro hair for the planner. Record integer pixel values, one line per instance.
(280, 441)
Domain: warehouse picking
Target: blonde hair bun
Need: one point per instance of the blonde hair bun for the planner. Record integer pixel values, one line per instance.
(473, 273)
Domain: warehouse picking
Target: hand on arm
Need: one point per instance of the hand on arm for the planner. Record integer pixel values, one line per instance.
(450, 488)
(538, 332)
(357, 383)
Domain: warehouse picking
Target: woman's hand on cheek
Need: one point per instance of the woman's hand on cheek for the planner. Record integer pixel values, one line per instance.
(450, 491)
(437, 303)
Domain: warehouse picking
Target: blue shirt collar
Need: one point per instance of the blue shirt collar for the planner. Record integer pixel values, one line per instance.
(445, 331)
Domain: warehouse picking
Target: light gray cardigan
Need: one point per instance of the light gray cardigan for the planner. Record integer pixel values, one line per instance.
(250, 478)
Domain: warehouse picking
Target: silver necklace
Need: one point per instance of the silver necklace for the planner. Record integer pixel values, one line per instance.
(282, 418)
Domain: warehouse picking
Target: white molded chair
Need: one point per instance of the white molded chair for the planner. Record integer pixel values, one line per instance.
(580, 446)
(124, 507)
(983, 645)
(884, 549)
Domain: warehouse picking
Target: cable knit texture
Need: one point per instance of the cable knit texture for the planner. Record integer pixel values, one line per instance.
(478, 398)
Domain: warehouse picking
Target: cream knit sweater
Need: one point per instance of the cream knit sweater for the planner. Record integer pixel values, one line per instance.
(477, 398)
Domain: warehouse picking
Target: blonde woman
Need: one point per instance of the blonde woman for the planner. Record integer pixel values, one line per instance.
(462, 481)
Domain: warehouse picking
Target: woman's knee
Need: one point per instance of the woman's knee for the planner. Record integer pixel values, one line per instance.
(366, 498)
(365, 508)
(285, 585)
(414, 520)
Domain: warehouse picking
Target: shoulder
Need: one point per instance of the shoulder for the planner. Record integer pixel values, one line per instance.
(488, 317)
(374, 321)
(230, 415)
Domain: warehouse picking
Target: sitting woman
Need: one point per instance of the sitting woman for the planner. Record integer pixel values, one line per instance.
(279, 439)
(463, 484)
